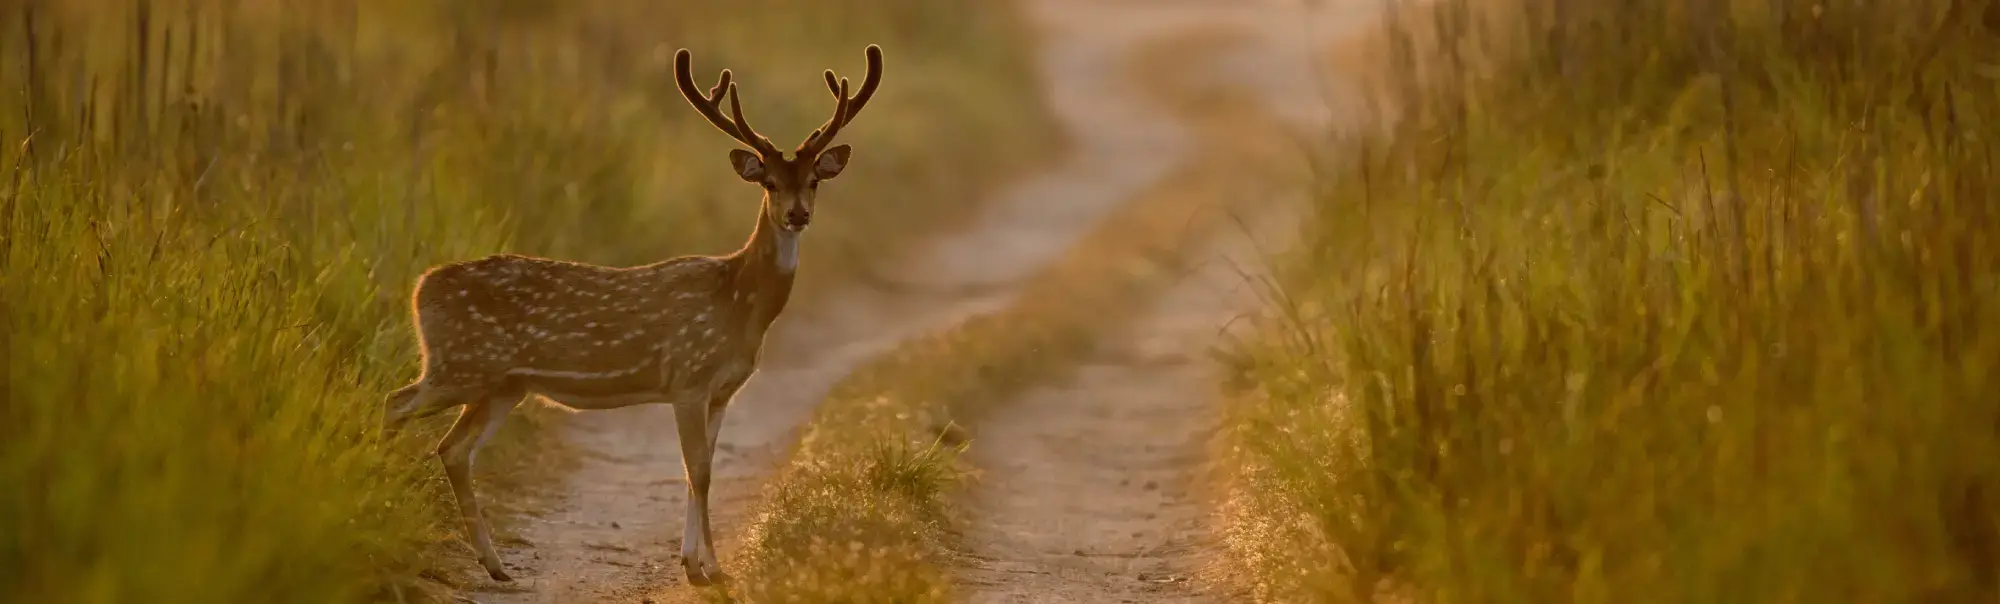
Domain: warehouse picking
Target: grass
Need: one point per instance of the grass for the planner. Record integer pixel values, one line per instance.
(865, 510)
(210, 216)
(1660, 302)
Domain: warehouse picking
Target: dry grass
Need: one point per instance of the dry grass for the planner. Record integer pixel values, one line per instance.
(865, 511)
(210, 216)
(1678, 302)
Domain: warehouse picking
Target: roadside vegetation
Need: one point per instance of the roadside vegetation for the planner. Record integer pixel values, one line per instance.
(866, 508)
(211, 216)
(1683, 301)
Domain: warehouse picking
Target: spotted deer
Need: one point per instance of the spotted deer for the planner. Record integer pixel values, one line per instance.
(686, 332)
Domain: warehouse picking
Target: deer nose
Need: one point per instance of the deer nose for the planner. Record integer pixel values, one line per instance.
(798, 217)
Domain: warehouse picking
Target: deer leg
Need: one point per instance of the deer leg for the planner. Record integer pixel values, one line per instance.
(691, 420)
(715, 411)
(400, 404)
(418, 401)
(716, 408)
(477, 423)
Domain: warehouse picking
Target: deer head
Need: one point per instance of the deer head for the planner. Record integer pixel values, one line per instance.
(790, 184)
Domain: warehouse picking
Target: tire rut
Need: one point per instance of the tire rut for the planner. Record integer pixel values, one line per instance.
(1093, 489)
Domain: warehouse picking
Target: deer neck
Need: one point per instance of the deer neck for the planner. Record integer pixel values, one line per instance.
(765, 268)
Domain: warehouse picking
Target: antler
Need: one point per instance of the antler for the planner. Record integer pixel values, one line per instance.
(710, 105)
(845, 107)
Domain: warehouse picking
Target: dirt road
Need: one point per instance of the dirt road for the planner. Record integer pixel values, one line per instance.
(613, 533)
(1091, 489)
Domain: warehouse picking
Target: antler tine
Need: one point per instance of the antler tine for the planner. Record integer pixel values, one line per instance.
(845, 107)
(710, 105)
(721, 84)
(833, 85)
(705, 104)
(756, 141)
(869, 81)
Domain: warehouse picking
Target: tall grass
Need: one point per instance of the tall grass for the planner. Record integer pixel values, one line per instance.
(1674, 301)
(211, 212)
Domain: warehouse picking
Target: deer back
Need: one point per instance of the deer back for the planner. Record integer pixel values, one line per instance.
(580, 328)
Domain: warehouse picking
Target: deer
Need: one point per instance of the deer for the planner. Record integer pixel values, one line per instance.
(685, 332)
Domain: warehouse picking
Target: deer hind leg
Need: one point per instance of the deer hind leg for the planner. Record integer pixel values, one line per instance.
(417, 401)
(691, 419)
(477, 423)
(401, 404)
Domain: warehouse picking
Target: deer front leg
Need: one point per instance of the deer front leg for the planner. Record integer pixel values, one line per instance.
(697, 554)
(717, 406)
(477, 423)
(719, 403)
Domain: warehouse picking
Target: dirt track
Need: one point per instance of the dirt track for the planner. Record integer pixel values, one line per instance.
(1140, 410)
(1091, 489)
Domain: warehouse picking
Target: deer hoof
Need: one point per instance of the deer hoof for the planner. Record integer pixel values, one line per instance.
(699, 575)
(495, 571)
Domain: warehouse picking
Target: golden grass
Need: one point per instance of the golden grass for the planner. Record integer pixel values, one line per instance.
(864, 511)
(210, 216)
(1618, 317)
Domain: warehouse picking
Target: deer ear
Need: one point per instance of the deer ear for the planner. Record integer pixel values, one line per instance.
(832, 161)
(747, 165)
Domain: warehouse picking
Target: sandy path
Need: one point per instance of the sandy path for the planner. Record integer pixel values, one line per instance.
(614, 535)
(1090, 489)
